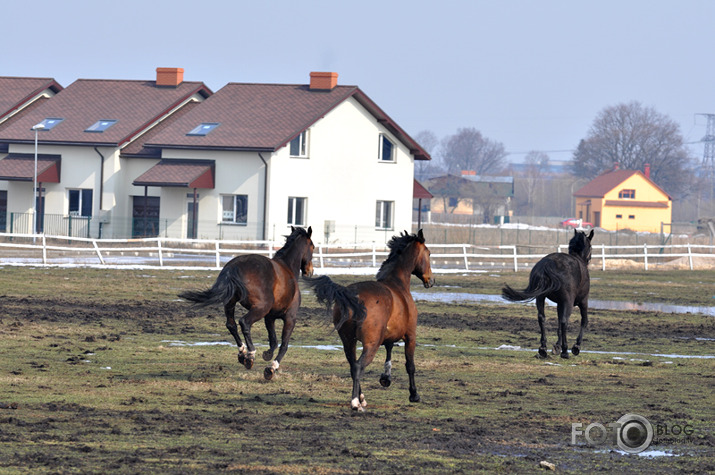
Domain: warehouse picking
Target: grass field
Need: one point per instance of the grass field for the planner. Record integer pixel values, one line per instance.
(108, 371)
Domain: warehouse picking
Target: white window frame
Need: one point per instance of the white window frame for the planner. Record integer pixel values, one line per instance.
(293, 211)
(78, 212)
(302, 142)
(380, 151)
(384, 215)
(232, 214)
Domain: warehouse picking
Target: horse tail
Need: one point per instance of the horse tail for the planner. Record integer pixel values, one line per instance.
(334, 295)
(228, 286)
(543, 281)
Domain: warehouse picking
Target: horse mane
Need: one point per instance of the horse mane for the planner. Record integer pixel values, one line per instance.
(297, 232)
(578, 245)
(396, 245)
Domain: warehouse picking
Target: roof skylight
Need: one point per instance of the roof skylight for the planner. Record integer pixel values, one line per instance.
(49, 123)
(204, 128)
(101, 125)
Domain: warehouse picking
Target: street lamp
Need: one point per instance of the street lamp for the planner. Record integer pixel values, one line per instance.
(36, 128)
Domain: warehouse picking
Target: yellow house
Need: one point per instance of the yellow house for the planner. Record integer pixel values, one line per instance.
(624, 199)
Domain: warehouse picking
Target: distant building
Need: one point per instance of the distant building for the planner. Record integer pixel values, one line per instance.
(624, 199)
(471, 194)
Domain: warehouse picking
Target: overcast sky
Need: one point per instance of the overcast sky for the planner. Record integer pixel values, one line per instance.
(529, 74)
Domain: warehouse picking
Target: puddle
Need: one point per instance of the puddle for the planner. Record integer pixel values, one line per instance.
(457, 297)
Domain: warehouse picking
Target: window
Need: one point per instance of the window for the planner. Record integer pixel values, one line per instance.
(204, 128)
(383, 214)
(50, 123)
(631, 216)
(299, 145)
(80, 202)
(619, 216)
(296, 211)
(234, 209)
(627, 194)
(101, 125)
(387, 149)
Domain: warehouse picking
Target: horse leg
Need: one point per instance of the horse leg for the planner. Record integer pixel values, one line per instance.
(270, 322)
(253, 315)
(288, 325)
(542, 321)
(410, 344)
(386, 377)
(230, 311)
(583, 308)
(349, 344)
(564, 311)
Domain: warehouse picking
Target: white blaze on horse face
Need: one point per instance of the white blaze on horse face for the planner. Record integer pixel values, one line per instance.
(275, 365)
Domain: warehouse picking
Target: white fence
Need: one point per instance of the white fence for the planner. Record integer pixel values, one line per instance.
(43, 250)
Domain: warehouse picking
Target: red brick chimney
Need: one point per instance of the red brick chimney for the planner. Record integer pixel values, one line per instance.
(646, 170)
(169, 76)
(323, 81)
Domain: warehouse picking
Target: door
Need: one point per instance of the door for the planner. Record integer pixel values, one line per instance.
(145, 216)
(192, 213)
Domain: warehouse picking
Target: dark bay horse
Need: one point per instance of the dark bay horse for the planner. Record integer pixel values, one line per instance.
(267, 288)
(379, 312)
(563, 279)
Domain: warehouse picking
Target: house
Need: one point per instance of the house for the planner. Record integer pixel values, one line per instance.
(82, 181)
(171, 158)
(472, 194)
(318, 154)
(624, 199)
(18, 96)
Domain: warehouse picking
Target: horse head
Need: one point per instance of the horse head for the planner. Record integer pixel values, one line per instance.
(580, 245)
(306, 260)
(423, 269)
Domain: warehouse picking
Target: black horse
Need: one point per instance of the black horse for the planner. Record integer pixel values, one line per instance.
(563, 279)
(267, 288)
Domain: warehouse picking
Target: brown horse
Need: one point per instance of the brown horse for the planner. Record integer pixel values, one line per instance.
(563, 279)
(381, 312)
(267, 288)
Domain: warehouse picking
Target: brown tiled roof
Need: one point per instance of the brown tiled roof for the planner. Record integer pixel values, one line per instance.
(21, 167)
(419, 191)
(16, 91)
(137, 148)
(265, 117)
(133, 104)
(182, 173)
(602, 184)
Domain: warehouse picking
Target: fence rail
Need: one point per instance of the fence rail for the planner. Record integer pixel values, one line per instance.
(44, 250)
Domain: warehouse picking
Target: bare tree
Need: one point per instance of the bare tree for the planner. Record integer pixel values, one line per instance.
(426, 168)
(469, 150)
(536, 164)
(632, 135)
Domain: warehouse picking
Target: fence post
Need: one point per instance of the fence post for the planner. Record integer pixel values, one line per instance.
(96, 249)
(645, 255)
(690, 257)
(218, 254)
(466, 260)
(159, 250)
(603, 257)
(516, 263)
(44, 250)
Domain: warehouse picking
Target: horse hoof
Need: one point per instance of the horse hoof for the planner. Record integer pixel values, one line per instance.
(575, 350)
(268, 373)
(565, 355)
(414, 397)
(385, 381)
(241, 358)
(248, 363)
(543, 353)
(267, 355)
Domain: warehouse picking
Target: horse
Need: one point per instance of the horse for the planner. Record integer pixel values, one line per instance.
(267, 288)
(563, 279)
(380, 312)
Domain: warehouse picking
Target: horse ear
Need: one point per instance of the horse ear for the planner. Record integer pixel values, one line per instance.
(310, 231)
(292, 229)
(575, 233)
(590, 235)
(420, 236)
